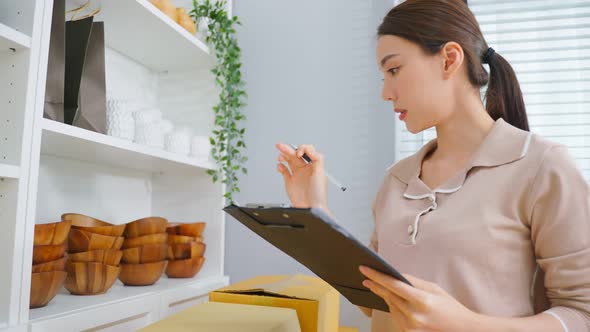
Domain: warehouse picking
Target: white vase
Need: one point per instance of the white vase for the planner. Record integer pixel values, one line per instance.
(148, 128)
(147, 116)
(120, 121)
(179, 141)
(167, 126)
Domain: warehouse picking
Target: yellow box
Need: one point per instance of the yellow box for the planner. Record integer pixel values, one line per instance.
(317, 303)
(228, 317)
(347, 329)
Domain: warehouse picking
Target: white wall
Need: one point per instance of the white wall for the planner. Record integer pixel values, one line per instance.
(311, 77)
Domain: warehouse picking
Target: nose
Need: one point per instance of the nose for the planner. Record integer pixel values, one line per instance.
(387, 91)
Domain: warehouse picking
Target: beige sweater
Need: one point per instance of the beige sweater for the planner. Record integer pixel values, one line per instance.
(519, 204)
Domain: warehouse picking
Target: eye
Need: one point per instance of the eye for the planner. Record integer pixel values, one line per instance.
(393, 71)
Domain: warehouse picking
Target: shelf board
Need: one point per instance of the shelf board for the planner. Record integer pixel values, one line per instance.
(9, 171)
(64, 303)
(142, 32)
(76, 143)
(10, 38)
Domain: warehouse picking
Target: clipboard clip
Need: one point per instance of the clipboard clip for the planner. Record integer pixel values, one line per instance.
(287, 225)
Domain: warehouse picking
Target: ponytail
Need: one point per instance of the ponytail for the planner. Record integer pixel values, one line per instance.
(503, 97)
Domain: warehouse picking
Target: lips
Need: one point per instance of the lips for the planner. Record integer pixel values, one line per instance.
(402, 112)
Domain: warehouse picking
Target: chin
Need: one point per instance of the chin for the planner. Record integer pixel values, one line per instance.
(417, 128)
(412, 130)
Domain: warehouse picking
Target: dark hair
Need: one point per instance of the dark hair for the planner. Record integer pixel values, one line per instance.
(433, 23)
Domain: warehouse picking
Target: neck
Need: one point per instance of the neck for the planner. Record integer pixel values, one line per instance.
(459, 136)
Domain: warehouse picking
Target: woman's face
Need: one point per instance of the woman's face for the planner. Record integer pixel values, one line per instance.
(414, 82)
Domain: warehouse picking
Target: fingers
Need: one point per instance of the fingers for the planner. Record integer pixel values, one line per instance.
(392, 300)
(286, 173)
(288, 155)
(284, 170)
(310, 151)
(285, 149)
(398, 287)
(423, 284)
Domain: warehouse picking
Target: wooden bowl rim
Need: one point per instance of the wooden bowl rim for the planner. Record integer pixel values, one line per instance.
(146, 219)
(54, 223)
(161, 244)
(188, 259)
(146, 236)
(50, 262)
(91, 234)
(95, 250)
(50, 245)
(176, 224)
(108, 266)
(188, 243)
(52, 272)
(101, 222)
(165, 261)
(182, 236)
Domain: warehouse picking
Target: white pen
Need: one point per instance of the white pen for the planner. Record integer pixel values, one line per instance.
(307, 160)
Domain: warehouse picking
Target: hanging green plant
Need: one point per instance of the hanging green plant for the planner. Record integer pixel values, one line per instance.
(228, 136)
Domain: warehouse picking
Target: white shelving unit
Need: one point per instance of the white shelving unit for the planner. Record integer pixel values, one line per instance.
(49, 168)
(12, 39)
(75, 143)
(9, 171)
(131, 21)
(174, 292)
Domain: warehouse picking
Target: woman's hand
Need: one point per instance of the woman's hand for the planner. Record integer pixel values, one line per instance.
(424, 307)
(305, 183)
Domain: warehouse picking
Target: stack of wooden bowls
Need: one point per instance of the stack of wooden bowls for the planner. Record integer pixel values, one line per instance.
(94, 253)
(145, 251)
(187, 249)
(48, 273)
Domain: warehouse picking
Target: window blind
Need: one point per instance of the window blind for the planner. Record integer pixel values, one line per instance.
(548, 45)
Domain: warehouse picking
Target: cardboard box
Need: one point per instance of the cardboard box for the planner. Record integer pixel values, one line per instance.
(316, 302)
(226, 317)
(347, 329)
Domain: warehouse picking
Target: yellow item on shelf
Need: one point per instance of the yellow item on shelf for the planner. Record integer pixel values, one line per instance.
(226, 317)
(316, 302)
(166, 7)
(185, 21)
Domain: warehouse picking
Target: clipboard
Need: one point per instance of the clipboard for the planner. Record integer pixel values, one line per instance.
(314, 239)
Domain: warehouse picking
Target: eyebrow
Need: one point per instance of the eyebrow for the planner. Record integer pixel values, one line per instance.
(387, 57)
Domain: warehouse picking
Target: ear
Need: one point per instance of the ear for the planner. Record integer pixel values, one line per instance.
(452, 55)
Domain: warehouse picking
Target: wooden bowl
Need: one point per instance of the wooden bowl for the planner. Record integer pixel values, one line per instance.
(44, 287)
(145, 239)
(93, 225)
(145, 226)
(180, 239)
(89, 278)
(51, 234)
(186, 250)
(105, 256)
(193, 229)
(80, 241)
(56, 265)
(148, 253)
(142, 274)
(44, 254)
(184, 268)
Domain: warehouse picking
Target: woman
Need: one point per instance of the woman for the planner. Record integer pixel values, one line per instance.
(502, 241)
